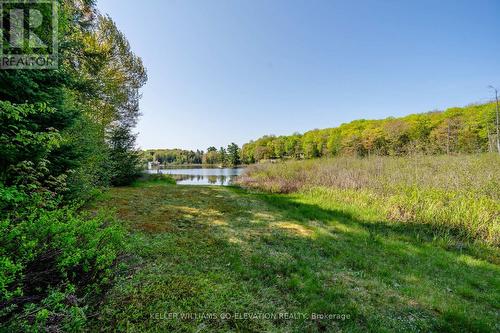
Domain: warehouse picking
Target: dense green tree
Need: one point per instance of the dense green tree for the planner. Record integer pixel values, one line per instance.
(124, 158)
(211, 157)
(233, 155)
(173, 156)
(222, 156)
(457, 130)
(66, 132)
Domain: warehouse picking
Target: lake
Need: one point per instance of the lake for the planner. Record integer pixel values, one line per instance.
(202, 176)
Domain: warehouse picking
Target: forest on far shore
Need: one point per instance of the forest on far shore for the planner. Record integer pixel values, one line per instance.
(465, 130)
(230, 156)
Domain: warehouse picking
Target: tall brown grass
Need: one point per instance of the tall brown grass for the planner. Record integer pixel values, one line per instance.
(451, 193)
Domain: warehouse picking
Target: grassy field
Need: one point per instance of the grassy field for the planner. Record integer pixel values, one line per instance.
(214, 259)
(457, 196)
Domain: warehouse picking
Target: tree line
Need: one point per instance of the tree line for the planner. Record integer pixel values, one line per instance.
(66, 133)
(470, 129)
(230, 156)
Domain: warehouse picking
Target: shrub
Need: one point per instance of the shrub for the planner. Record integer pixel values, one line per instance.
(51, 262)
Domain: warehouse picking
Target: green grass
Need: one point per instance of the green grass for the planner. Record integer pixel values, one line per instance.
(457, 196)
(216, 250)
(147, 180)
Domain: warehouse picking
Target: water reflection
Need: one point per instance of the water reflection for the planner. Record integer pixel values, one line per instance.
(202, 176)
(204, 180)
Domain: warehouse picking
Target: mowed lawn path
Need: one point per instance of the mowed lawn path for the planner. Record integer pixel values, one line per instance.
(215, 259)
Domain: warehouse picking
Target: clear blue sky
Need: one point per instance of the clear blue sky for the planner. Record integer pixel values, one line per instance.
(233, 70)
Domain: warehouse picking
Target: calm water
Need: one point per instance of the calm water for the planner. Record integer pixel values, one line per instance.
(202, 176)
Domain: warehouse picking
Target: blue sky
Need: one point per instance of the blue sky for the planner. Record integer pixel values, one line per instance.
(223, 71)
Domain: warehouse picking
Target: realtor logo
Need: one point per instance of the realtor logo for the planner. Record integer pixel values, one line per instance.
(29, 34)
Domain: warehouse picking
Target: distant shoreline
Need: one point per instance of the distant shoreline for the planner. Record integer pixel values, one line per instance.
(206, 166)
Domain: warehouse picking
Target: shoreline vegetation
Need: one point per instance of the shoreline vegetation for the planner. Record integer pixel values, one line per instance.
(457, 196)
(223, 157)
(184, 166)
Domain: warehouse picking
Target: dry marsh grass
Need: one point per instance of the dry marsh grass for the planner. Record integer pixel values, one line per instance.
(457, 195)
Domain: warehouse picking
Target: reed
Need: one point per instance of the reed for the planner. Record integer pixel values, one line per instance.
(457, 195)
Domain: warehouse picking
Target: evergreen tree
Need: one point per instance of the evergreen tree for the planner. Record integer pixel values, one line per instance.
(233, 154)
(124, 158)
